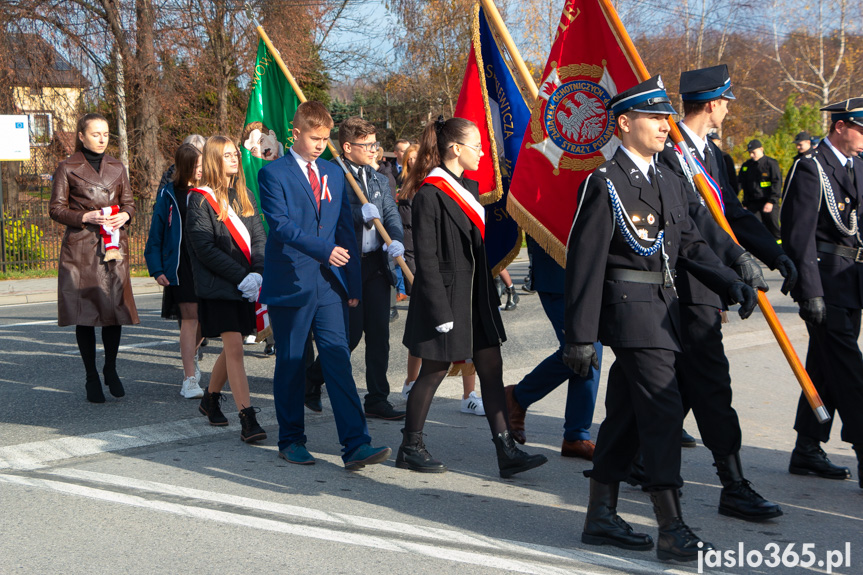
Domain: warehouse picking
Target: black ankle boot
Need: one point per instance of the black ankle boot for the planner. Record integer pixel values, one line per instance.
(603, 526)
(112, 380)
(94, 388)
(511, 459)
(738, 499)
(210, 407)
(676, 539)
(511, 299)
(413, 454)
(251, 431)
(808, 457)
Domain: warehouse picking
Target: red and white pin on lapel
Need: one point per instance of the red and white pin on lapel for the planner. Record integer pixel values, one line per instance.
(326, 194)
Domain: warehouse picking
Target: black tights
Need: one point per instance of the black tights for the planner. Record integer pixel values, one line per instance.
(489, 368)
(86, 336)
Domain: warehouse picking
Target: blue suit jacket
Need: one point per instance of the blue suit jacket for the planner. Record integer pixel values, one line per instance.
(300, 239)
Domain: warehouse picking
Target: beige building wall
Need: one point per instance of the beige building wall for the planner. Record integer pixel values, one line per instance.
(61, 103)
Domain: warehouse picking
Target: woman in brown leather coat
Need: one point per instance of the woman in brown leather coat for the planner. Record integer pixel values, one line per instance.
(93, 285)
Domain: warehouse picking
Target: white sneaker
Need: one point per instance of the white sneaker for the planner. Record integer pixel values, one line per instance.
(472, 404)
(190, 389)
(250, 339)
(409, 385)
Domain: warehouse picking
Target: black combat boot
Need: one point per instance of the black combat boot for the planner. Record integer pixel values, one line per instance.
(251, 431)
(808, 457)
(413, 454)
(511, 459)
(94, 388)
(511, 299)
(603, 526)
(738, 499)
(210, 407)
(676, 539)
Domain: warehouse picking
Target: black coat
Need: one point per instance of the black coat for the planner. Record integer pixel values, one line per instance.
(750, 232)
(405, 213)
(806, 220)
(453, 281)
(218, 264)
(626, 314)
(761, 181)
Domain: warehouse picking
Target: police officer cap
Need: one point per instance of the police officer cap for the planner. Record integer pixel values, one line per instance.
(706, 84)
(850, 110)
(648, 97)
(713, 136)
(802, 137)
(753, 145)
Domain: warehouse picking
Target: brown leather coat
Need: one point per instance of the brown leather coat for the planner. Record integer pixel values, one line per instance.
(91, 291)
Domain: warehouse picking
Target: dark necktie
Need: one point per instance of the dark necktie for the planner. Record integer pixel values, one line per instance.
(849, 167)
(708, 159)
(651, 175)
(316, 185)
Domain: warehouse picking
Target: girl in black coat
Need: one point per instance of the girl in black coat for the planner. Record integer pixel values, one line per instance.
(227, 266)
(453, 313)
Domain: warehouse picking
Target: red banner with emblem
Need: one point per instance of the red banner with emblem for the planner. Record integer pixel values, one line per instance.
(570, 132)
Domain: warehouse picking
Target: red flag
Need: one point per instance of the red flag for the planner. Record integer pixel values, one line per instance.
(570, 132)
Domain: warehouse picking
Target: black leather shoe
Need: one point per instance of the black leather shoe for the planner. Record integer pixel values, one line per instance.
(314, 403)
(603, 526)
(384, 410)
(738, 499)
(676, 540)
(394, 314)
(511, 459)
(413, 455)
(808, 458)
(112, 380)
(94, 388)
(270, 349)
(687, 440)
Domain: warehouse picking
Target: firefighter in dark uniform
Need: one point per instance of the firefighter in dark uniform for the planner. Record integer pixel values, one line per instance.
(821, 208)
(761, 182)
(803, 143)
(703, 370)
(631, 231)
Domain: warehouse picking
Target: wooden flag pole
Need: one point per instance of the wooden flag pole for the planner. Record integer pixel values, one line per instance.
(333, 150)
(637, 64)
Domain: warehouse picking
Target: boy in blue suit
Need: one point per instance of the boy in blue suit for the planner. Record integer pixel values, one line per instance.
(312, 271)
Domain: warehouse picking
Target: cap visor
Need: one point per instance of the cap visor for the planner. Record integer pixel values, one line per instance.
(658, 108)
(728, 95)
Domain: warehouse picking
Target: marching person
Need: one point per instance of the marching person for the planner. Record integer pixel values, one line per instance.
(313, 277)
(372, 316)
(453, 313)
(823, 201)
(803, 143)
(226, 237)
(703, 369)
(92, 197)
(761, 183)
(631, 231)
(548, 281)
(168, 261)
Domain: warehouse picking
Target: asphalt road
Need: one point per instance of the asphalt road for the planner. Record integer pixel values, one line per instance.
(144, 485)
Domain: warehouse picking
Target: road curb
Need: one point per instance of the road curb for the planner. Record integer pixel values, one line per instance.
(48, 297)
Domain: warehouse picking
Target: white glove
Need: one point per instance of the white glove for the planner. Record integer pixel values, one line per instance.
(395, 249)
(251, 286)
(444, 328)
(370, 212)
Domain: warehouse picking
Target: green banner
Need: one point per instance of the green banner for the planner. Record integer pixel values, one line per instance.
(267, 130)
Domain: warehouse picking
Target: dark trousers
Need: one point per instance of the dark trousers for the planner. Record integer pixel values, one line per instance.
(770, 220)
(704, 379)
(835, 364)
(551, 372)
(643, 410)
(372, 318)
(325, 317)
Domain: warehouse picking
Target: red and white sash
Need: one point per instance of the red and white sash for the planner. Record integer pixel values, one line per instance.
(110, 236)
(465, 200)
(241, 237)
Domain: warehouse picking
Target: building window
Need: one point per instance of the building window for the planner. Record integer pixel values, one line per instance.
(40, 129)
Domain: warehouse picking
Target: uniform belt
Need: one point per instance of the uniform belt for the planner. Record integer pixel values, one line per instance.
(636, 276)
(855, 254)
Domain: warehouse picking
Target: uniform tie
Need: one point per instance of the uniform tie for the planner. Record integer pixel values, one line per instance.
(849, 167)
(316, 185)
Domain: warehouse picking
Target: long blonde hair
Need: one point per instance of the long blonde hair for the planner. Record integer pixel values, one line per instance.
(213, 175)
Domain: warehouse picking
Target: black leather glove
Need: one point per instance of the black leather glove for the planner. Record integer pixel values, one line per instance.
(579, 357)
(813, 311)
(739, 292)
(749, 271)
(788, 270)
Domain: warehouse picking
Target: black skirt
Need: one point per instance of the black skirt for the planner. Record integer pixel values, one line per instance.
(218, 316)
(172, 296)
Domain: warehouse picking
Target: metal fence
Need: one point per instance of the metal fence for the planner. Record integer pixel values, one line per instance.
(31, 239)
